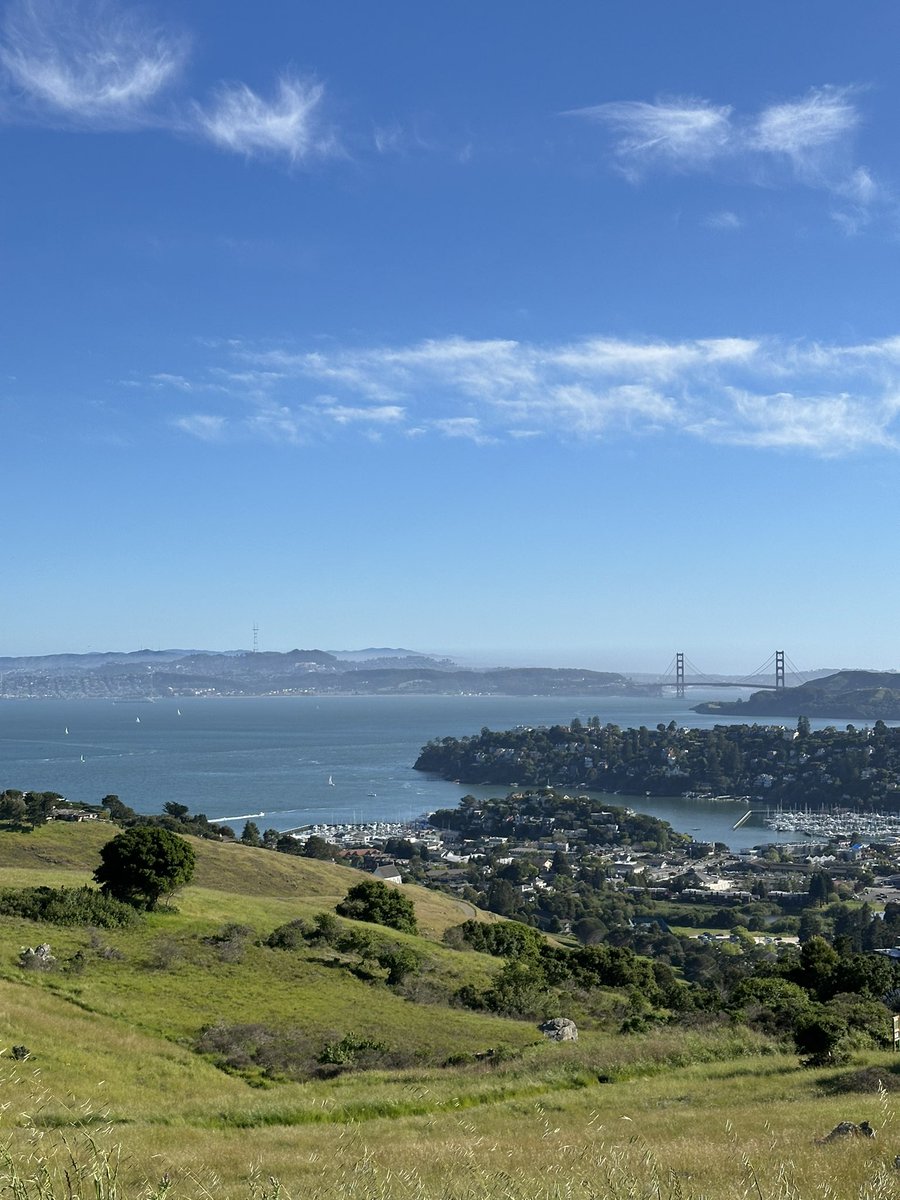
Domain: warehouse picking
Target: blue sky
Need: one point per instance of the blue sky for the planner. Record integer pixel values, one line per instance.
(525, 332)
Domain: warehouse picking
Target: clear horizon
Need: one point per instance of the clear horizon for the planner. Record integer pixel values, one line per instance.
(474, 326)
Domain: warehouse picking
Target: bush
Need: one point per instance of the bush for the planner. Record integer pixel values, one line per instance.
(352, 1051)
(165, 954)
(503, 939)
(399, 962)
(326, 929)
(821, 1037)
(260, 1052)
(66, 906)
(230, 942)
(374, 901)
(290, 936)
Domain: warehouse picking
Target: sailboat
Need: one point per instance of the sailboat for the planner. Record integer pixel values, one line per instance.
(330, 781)
(66, 731)
(177, 712)
(82, 758)
(137, 720)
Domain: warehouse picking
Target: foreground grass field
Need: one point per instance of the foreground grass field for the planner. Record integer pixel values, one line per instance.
(113, 1075)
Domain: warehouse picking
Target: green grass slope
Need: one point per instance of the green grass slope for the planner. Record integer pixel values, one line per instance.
(113, 1063)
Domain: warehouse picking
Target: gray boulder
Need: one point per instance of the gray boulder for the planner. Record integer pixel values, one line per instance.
(560, 1029)
(847, 1129)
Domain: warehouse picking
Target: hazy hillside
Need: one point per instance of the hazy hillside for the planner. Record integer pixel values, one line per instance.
(154, 675)
(851, 695)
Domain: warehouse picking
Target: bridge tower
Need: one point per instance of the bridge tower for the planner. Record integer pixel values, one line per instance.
(679, 675)
(779, 671)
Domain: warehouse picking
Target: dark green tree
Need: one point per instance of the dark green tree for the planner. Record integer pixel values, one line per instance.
(38, 806)
(317, 847)
(374, 901)
(119, 812)
(144, 863)
(821, 886)
(820, 1036)
(12, 806)
(250, 835)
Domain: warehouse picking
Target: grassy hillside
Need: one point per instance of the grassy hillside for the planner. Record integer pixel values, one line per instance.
(113, 1038)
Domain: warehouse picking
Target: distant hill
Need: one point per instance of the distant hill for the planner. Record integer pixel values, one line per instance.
(376, 652)
(845, 695)
(147, 674)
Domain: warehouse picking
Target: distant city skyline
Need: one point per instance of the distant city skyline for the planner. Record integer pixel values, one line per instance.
(562, 336)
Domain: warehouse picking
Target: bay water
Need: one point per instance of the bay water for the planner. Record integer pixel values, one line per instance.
(286, 762)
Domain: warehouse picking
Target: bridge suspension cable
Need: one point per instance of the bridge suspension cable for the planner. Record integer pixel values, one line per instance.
(778, 664)
(775, 664)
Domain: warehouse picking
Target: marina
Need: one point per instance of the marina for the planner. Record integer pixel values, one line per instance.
(836, 824)
(366, 833)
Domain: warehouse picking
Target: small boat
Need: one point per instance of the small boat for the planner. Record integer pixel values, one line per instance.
(82, 758)
(177, 712)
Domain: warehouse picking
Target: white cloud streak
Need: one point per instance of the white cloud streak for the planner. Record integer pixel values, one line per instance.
(96, 65)
(204, 426)
(815, 398)
(88, 64)
(684, 133)
(288, 125)
(808, 140)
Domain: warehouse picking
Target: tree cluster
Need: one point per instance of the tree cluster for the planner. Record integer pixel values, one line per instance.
(791, 767)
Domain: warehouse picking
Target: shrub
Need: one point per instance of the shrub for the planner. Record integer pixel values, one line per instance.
(519, 989)
(164, 954)
(66, 906)
(327, 929)
(374, 901)
(260, 1050)
(290, 936)
(352, 1051)
(399, 962)
(230, 941)
(503, 939)
(821, 1037)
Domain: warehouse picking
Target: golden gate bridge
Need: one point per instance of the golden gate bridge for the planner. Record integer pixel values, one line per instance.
(772, 675)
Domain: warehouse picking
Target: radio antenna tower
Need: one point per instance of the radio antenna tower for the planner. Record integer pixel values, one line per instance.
(255, 638)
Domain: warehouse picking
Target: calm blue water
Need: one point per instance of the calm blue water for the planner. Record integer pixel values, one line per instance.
(272, 758)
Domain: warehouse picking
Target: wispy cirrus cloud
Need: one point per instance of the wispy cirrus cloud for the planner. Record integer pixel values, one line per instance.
(288, 125)
(724, 219)
(88, 63)
(380, 414)
(808, 140)
(207, 427)
(825, 399)
(684, 134)
(807, 129)
(98, 65)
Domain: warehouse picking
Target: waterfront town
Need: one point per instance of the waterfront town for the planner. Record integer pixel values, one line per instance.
(521, 857)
